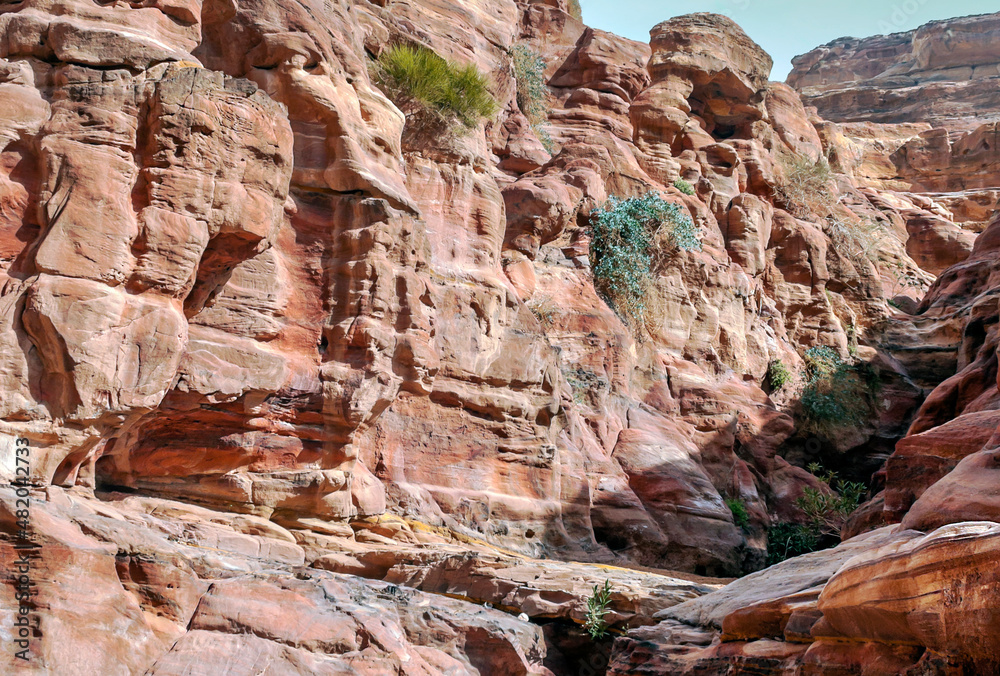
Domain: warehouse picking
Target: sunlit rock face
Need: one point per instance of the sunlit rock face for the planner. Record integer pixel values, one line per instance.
(943, 73)
(263, 334)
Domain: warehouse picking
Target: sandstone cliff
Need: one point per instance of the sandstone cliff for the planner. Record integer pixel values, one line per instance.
(292, 369)
(943, 73)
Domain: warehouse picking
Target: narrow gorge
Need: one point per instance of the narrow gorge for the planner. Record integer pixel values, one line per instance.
(299, 375)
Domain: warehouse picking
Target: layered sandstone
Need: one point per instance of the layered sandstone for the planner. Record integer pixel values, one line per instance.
(913, 597)
(943, 73)
(293, 371)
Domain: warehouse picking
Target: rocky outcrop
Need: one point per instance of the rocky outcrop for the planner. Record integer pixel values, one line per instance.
(890, 599)
(913, 112)
(902, 602)
(942, 73)
(121, 562)
(958, 419)
(251, 322)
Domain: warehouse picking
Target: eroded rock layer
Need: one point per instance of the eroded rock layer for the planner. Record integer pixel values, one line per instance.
(943, 73)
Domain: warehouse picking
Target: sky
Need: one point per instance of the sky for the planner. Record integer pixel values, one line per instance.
(785, 28)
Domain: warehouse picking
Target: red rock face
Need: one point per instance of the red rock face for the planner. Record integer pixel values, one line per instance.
(263, 333)
(910, 598)
(942, 73)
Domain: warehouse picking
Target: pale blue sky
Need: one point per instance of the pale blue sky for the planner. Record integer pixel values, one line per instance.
(785, 28)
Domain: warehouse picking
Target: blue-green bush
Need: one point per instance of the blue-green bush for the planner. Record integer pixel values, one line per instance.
(626, 236)
(532, 92)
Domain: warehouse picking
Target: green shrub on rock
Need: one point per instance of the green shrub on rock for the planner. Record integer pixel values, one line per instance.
(684, 186)
(626, 236)
(738, 508)
(597, 608)
(778, 374)
(788, 540)
(826, 512)
(837, 392)
(424, 84)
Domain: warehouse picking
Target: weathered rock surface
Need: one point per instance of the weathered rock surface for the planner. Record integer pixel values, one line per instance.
(137, 585)
(943, 73)
(893, 601)
(252, 320)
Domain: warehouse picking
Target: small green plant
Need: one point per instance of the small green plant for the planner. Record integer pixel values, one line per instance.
(626, 236)
(778, 374)
(684, 186)
(738, 508)
(826, 512)
(575, 10)
(597, 608)
(788, 540)
(532, 92)
(424, 84)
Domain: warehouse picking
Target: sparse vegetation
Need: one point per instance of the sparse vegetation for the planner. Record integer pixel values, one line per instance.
(738, 508)
(788, 540)
(778, 374)
(859, 241)
(597, 609)
(532, 92)
(544, 310)
(807, 187)
(575, 10)
(808, 191)
(837, 392)
(684, 186)
(626, 236)
(906, 279)
(826, 511)
(433, 90)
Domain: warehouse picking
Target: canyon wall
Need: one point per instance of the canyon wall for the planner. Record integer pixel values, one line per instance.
(911, 119)
(291, 368)
(943, 74)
